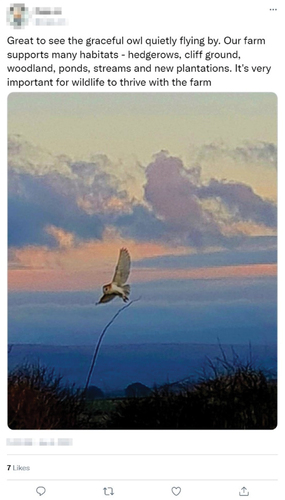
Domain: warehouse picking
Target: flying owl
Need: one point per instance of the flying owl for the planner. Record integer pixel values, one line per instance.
(118, 287)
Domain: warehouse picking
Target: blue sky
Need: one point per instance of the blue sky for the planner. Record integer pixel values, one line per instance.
(188, 311)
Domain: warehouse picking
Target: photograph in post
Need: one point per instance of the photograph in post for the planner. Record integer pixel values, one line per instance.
(142, 232)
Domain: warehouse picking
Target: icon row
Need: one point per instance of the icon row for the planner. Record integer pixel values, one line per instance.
(176, 490)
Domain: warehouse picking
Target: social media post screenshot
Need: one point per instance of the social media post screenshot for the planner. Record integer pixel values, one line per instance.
(140, 147)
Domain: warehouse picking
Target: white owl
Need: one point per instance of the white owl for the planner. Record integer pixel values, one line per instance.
(118, 287)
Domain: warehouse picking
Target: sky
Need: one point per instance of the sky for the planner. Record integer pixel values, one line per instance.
(186, 182)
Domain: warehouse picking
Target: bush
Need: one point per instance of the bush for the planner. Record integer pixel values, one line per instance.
(137, 390)
(233, 396)
(243, 399)
(94, 392)
(37, 400)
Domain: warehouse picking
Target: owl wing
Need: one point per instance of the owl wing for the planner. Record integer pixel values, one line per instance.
(123, 267)
(106, 298)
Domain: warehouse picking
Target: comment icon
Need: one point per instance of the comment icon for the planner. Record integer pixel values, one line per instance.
(40, 490)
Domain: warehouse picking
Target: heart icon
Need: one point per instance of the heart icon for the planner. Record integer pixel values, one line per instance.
(176, 490)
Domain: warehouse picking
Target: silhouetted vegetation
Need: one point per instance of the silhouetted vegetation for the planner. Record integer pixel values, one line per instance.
(233, 395)
(242, 400)
(137, 390)
(37, 400)
(94, 392)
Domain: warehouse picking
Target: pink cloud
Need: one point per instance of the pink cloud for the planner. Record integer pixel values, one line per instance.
(171, 192)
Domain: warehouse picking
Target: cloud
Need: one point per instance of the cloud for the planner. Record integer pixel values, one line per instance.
(23, 157)
(171, 191)
(38, 205)
(259, 152)
(177, 196)
(241, 201)
(63, 238)
(92, 183)
(213, 259)
(47, 191)
(97, 190)
(142, 224)
(56, 201)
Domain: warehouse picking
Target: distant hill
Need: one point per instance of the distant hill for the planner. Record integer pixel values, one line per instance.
(121, 365)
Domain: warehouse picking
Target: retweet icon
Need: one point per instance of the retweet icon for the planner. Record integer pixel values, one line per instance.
(118, 286)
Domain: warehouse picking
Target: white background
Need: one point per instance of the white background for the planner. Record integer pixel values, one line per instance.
(156, 18)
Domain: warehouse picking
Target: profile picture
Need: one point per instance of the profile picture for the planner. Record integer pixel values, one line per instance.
(17, 15)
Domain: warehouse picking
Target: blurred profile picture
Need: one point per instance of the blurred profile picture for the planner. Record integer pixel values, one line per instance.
(17, 15)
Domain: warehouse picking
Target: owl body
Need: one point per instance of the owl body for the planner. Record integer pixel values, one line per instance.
(121, 291)
(118, 287)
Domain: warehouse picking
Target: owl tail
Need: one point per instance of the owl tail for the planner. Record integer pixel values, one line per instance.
(127, 290)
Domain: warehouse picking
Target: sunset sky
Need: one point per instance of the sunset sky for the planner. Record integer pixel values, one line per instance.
(187, 182)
